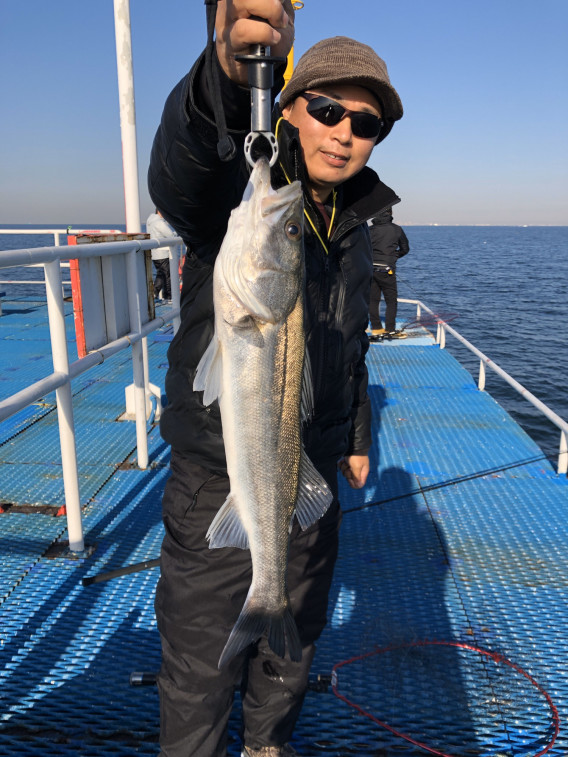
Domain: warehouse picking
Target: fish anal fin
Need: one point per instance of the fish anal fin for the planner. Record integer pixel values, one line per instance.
(314, 494)
(208, 376)
(226, 529)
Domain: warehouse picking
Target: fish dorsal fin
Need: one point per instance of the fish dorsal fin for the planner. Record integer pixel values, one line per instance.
(307, 399)
(208, 376)
(226, 529)
(314, 495)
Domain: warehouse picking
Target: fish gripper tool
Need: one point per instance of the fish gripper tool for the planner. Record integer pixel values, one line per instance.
(260, 142)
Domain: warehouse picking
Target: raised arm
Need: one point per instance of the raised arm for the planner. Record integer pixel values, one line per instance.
(187, 180)
(242, 23)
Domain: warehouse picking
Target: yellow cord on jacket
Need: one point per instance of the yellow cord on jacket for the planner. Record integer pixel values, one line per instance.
(334, 195)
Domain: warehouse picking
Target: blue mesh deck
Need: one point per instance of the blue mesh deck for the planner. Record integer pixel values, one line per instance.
(449, 603)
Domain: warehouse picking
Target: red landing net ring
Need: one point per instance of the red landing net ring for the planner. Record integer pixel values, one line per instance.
(496, 657)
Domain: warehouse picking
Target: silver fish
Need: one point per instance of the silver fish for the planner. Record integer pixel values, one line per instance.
(256, 367)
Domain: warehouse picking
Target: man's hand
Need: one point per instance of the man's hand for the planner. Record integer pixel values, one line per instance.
(236, 31)
(355, 468)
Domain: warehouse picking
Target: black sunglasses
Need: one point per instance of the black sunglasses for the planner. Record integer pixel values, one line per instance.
(329, 112)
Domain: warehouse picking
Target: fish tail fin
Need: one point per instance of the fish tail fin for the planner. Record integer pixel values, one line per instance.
(288, 624)
(252, 623)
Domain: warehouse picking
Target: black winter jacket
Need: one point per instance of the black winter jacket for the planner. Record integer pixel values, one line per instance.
(389, 241)
(196, 192)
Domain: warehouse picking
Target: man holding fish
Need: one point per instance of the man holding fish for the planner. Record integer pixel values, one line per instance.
(267, 383)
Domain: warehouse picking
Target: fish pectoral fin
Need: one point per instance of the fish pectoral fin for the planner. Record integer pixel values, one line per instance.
(226, 529)
(314, 494)
(253, 622)
(208, 376)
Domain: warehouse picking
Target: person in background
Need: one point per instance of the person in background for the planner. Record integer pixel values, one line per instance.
(337, 106)
(390, 243)
(158, 228)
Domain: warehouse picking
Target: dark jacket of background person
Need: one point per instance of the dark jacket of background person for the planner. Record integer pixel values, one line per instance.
(389, 241)
(197, 202)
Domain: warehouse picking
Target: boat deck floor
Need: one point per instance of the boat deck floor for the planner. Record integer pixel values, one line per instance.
(448, 616)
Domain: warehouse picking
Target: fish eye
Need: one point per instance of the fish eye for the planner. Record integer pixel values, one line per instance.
(293, 230)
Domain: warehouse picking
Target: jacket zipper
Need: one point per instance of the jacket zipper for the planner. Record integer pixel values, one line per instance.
(323, 314)
(341, 296)
(322, 317)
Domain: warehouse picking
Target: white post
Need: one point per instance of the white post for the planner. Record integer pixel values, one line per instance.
(134, 311)
(132, 207)
(174, 278)
(563, 454)
(481, 382)
(145, 361)
(127, 114)
(64, 405)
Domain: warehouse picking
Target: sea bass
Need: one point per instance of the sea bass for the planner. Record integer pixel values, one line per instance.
(256, 366)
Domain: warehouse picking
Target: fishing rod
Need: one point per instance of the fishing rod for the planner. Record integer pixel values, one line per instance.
(427, 319)
(119, 572)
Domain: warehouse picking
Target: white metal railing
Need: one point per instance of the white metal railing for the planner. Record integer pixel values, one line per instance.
(59, 381)
(443, 327)
(35, 282)
(56, 234)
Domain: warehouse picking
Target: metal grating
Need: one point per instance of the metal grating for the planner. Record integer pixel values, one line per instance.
(460, 538)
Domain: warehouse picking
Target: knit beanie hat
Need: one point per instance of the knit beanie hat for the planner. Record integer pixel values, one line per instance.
(342, 60)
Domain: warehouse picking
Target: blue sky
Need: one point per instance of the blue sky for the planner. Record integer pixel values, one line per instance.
(484, 84)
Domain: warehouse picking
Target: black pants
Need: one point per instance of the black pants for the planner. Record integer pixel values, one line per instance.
(162, 282)
(385, 283)
(200, 594)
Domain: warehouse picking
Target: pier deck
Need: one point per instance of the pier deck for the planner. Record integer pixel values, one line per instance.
(449, 604)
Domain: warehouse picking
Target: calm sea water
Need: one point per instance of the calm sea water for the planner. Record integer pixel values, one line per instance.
(508, 290)
(508, 287)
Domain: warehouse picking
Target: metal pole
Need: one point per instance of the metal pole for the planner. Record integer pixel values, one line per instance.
(132, 205)
(64, 406)
(481, 382)
(134, 310)
(174, 278)
(127, 114)
(563, 454)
